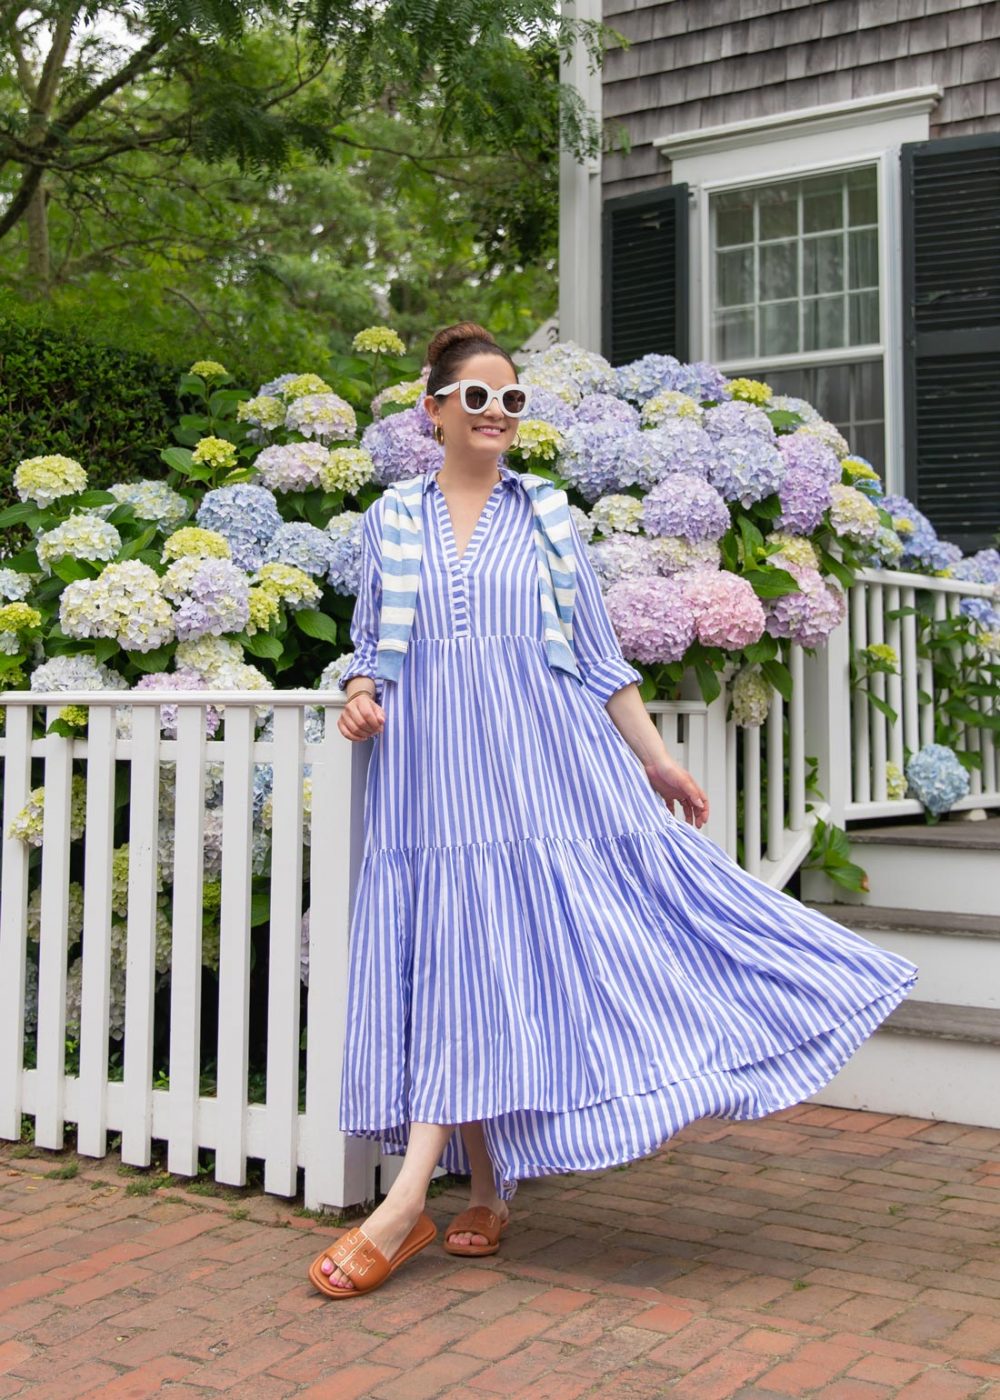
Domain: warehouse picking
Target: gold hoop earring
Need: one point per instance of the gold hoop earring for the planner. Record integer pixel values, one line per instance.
(516, 443)
(439, 434)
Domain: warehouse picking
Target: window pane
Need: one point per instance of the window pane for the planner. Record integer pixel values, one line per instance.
(734, 271)
(822, 203)
(779, 328)
(864, 318)
(734, 333)
(833, 390)
(862, 196)
(823, 323)
(764, 235)
(823, 264)
(863, 258)
(779, 271)
(779, 211)
(850, 396)
(733, 218)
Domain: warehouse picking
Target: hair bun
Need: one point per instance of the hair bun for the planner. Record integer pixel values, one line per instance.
(450, 336)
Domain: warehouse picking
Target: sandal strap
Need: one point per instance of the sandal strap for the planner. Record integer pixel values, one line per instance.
(359, 1257)
(477, 1220)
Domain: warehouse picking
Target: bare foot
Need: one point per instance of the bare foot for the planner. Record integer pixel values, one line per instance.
(493, 1203)
(387, 1226)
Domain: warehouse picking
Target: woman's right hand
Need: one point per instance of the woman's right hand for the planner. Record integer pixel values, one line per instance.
(361, 718)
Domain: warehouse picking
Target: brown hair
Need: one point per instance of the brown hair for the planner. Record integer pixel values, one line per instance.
(452, 346)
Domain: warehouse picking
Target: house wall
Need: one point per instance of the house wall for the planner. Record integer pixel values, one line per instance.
(700, 63)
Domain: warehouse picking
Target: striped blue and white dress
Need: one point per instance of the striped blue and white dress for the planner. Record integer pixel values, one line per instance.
(537, 941)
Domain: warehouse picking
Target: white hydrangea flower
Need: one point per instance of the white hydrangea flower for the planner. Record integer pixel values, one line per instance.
(125, 603)
(81, 537)
(617, 512)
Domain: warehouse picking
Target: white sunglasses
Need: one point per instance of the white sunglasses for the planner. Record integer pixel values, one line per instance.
(476, 396)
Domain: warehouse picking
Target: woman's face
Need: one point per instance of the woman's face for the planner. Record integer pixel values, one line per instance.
(489, 432)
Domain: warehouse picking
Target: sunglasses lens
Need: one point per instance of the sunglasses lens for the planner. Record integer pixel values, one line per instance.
(514, 401)
(475, 397)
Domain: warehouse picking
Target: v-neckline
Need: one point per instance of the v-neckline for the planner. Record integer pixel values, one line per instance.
(472, 544)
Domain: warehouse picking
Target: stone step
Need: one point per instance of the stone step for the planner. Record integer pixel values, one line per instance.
(952, 832)
(935, 1060)
(865, 918)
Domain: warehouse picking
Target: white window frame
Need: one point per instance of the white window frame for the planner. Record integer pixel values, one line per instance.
(798, 144)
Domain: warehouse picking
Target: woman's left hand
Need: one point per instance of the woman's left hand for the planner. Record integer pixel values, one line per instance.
(675, 784)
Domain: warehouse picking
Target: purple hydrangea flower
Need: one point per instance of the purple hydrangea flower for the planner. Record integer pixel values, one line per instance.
(182, 679)
(401, 446)
(550, 408)
(594, 459)
(652, 617)
(810, 615)
(345, 532)
(746, 467)
(981, 611)
(621, 555)
(686, 505)
(678, 446)
(804, 497)
(218, 601)
(808, 454)
(607, 408)
(981, 567)
(737, 419)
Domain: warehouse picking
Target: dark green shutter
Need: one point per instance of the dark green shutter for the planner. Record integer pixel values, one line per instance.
(951, 334)
(644, 301)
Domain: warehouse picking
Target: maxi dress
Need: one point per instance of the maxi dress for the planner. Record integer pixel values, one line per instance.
(537, 941)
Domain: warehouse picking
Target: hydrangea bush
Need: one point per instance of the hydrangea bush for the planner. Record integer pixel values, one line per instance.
(724, 523)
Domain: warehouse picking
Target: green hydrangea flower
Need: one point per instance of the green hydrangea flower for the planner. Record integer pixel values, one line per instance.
(750, 391)
(536, 438)
(346, 469)
(264, 608)
(45, 479)
(264, 411)
(303, 384)
(667, 404)
(287, 583)
(881, 651)
(895, 781)
(215, 452)
(192, 542)
(19, 617)
(208, 369)
(379, 340)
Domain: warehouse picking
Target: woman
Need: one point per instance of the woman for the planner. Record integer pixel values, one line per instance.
(550, 971)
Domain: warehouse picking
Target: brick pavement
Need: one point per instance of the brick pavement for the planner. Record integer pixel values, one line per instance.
(819, 1251)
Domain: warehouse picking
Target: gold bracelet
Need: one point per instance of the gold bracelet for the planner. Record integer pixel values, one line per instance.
(355, 693)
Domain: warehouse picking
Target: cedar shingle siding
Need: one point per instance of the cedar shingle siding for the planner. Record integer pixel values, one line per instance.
(700, 63)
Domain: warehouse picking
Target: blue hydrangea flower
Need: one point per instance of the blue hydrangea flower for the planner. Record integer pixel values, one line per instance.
(302, 545)
(678, 446)
(804, 497)
(550, 408)
(247, 516)
(745, 467)
(401, 445)
(607, 408)
(344, 532)
(594, 461)
(738, 419)
(688, 506)
(981, 567)
(936, 778)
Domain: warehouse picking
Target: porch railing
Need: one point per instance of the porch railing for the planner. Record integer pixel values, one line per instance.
(295, 1128)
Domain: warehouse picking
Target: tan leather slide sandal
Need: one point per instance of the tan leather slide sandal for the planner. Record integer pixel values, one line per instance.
(363, 1262)
(477, 1220)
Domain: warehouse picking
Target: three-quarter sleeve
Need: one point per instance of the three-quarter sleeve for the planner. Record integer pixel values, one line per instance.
(603, 667)
(365, 622)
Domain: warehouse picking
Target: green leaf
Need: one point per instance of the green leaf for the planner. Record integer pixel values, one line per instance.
(316, 624)
(13, 515)
(93, 497)
(762, 650)
(837, 567)
(191, 384)
(223, 402)
(262, 644)
(752, 537)
(70, 569)
(784, 418)
(151, 660)
(177, 458)
(771, 583)
(708, 681)
(104, 648)
(883, 707)
(780, 677)
(260, 907)
(135, 546)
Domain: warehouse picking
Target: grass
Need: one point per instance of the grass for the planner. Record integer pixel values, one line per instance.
(65, 1173)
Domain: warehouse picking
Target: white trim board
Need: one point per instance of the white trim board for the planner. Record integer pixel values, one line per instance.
(809, 121)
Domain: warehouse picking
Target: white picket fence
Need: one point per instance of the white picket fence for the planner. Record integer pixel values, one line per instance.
(850, 739)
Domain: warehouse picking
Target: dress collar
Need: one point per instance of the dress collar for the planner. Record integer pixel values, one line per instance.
(508, 477)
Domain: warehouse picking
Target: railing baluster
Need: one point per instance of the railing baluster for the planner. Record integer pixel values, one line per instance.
(861, 769)
(911, 666)
(140, 958)
(185, 974)
(16, 745)
(281, 1165)
(54, 940)
(234, 945)
(95, 1001)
